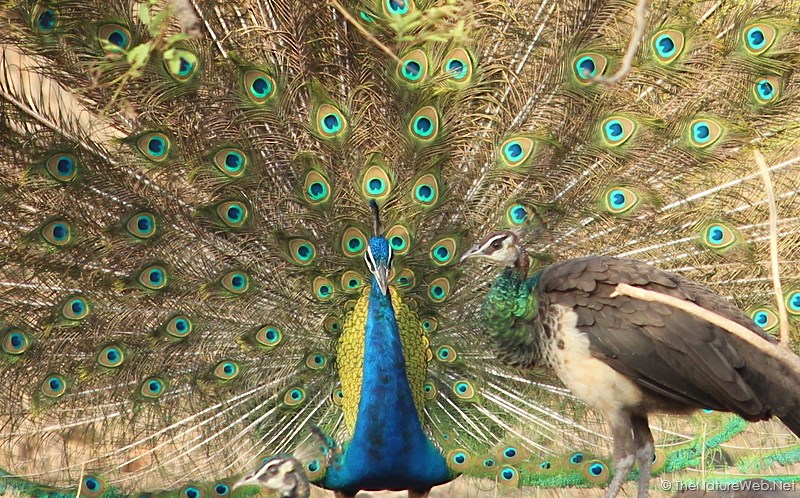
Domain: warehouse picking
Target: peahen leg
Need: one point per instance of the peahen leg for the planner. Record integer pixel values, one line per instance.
(624, 452)
(645, 450)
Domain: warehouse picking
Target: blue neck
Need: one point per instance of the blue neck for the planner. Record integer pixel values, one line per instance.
(389, 449)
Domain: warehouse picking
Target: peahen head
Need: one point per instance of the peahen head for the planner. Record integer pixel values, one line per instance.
(379, 253)
(281, 473)
(504, 248)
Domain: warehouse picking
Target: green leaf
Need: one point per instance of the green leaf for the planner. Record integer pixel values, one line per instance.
(158, 23)
(144, 13)
(176, 38)
(139, 55)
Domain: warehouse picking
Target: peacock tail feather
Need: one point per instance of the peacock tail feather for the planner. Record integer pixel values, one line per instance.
(185, 192)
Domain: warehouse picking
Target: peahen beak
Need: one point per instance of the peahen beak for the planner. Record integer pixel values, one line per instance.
(381, 274)
(472, 252)
(245, 481)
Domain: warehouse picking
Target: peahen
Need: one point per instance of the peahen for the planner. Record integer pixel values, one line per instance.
(628, 357)
(285, 475)
(227, 223)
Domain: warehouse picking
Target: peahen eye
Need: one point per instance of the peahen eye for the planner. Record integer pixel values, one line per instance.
(497, 244)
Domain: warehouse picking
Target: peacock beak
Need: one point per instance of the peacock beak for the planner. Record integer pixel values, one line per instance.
(382, 277)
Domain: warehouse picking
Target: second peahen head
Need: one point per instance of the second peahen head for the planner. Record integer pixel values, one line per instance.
(282, 473)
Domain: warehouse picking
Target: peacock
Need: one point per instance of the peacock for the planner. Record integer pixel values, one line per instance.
(230, 227)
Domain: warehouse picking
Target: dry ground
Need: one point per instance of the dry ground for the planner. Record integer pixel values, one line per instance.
(463, 488)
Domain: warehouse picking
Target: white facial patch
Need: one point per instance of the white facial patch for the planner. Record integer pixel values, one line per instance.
(495, 243)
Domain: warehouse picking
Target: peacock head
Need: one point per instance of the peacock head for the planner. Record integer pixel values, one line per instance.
(379, 253)
(281, 473)
(379, 261)
(504, 248)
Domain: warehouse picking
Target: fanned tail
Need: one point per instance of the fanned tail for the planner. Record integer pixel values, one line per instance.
(184, 220)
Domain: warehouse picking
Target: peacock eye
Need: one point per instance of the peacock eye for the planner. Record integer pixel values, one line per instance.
(368, 259)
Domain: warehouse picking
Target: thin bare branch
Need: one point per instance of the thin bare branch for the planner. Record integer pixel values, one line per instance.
(80, 479)
(630, 52)
(352, 20)
(773, 248)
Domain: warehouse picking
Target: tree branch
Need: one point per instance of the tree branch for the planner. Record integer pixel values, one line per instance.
(630, 52)
(773, 248)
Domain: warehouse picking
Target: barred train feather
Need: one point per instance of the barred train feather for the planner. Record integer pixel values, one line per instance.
(185, 219)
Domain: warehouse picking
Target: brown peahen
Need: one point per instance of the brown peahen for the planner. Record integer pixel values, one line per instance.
(228, 226)
(628, 356)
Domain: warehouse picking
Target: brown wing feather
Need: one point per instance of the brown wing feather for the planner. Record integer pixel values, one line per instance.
(664, 350)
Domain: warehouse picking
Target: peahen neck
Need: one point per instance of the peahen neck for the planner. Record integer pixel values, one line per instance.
(389, 449)
(510, 310)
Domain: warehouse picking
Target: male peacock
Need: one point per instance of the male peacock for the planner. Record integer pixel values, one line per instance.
(192, 276)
